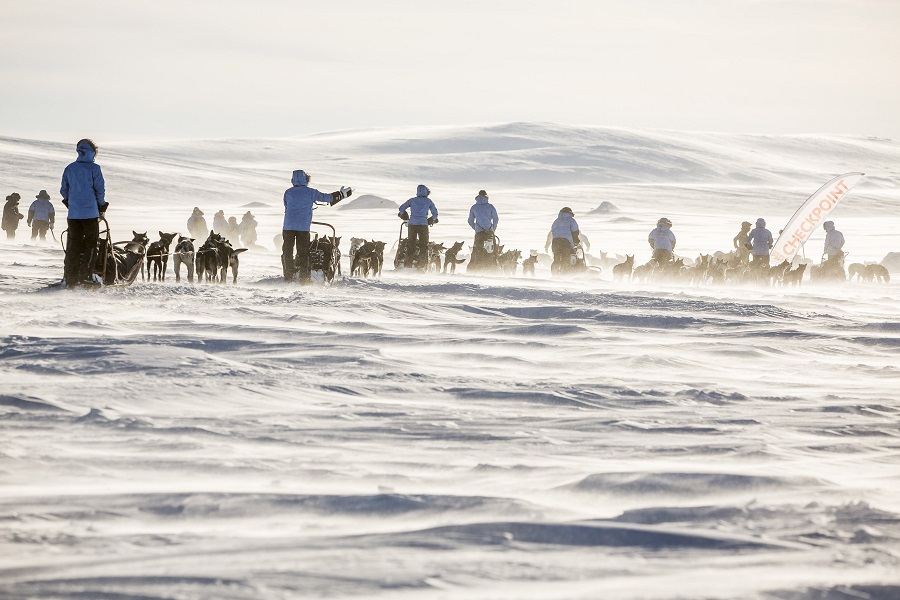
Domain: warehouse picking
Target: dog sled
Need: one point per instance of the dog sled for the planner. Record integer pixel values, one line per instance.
(430, 263)
(116, 264)
(402, 248)
(325, 255)
(574, 265)
(487, 258)
(829, 270)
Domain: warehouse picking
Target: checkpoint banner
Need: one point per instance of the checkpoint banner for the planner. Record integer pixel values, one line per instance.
(811, 215)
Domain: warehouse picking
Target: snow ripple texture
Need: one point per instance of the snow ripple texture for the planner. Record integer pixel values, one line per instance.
(443, 437)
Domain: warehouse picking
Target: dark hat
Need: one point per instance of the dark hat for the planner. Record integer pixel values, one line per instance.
(43, 194)
(14, 196)
(482, 193)
(566, 209)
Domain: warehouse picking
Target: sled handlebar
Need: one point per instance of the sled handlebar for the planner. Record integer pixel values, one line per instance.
(329, 225)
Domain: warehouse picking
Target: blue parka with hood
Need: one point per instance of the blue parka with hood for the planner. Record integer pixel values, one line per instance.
(483, 215)
(662, 238)
(82, 185)
(298, 202)
(760, 239)
(419, 207)
(42, 210)
(563, 226)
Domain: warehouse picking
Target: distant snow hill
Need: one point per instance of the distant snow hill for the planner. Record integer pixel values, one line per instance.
(370, 201)
(605, 208)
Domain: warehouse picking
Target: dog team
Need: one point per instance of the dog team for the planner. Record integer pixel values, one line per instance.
(83, 192)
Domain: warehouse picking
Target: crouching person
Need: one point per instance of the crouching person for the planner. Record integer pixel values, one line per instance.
(298, 206)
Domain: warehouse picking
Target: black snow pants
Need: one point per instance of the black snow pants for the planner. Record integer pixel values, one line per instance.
(417, 246)
(39, 228)
(562, 256)
(81, 247)
(300, 240)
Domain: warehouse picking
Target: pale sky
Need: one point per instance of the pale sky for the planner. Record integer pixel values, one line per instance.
(134, 70)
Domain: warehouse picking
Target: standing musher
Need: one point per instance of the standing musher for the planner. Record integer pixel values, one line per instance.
(298, 206)
(196, 225)
(483, 219)
(563, 238)
(11, 215)
(41, 215)
(662, 241)
(760, 242)
(83, 191)
(834, 242)
(418, 222)
(739, 240)
(220, 223)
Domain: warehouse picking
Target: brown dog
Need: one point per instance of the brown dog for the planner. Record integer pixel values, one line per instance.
(877, 273)
(795, 276)
(450, 259)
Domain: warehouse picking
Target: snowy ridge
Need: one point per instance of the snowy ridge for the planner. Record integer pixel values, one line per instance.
(454, 436)
(530, 171)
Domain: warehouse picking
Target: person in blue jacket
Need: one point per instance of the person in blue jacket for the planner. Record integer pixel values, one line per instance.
(563, 238)
(299, 200)
(760, 243)
(41, 215)
(484, 220)
(418, 222)
(84, 194)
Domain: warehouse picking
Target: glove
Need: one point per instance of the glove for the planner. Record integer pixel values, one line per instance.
(748, 246)
(103, 208)
(66, 202)
(28, 222)
(431, 220)
(344, 192)
(403, 216)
